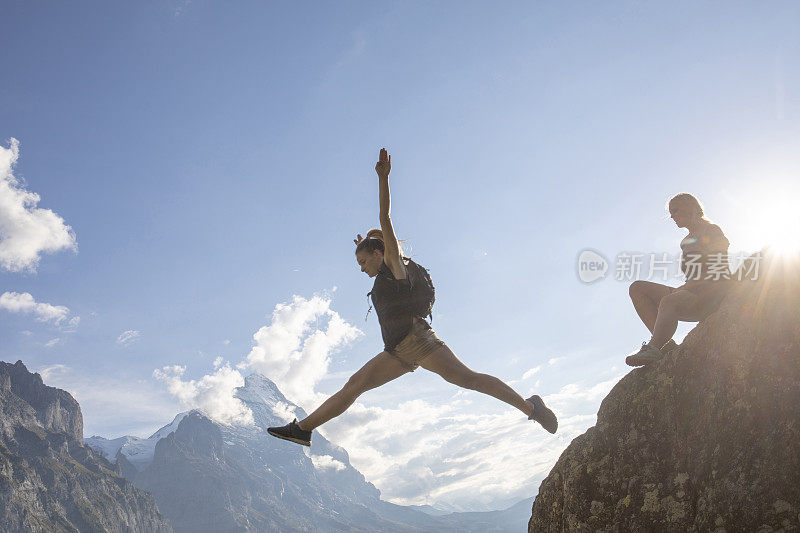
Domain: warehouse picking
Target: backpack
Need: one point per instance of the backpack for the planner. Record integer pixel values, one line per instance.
(423, 293)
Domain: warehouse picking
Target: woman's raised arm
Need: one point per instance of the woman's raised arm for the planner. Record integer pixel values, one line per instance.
(391, 253)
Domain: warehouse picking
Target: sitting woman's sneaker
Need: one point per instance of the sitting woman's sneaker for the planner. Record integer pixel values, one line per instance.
(543, 415)
(292, 432)
(667, 348)
(647, 354)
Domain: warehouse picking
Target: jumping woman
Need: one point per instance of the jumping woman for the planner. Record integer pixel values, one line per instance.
(409, 341)
(704, 262)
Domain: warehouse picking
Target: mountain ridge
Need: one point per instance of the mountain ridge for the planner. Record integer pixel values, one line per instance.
(286, 487)
(49, 480)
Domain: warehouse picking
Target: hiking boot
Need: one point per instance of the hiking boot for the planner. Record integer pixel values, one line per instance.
(292, 432)
(546, 418)
(667, 348)
(647, 354)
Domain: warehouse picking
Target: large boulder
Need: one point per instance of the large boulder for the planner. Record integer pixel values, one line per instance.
(707, 439)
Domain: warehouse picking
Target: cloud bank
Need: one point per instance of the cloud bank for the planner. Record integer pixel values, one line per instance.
(462, 452)
(26, 231)
(24, 303)
(294, 349)
(212, 394)
(467, 451)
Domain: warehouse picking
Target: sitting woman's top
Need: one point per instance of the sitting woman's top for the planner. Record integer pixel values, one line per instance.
(393, 302)
(705, 255)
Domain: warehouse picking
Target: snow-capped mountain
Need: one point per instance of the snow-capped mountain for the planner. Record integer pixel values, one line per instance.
(210, 477)
(136, 450)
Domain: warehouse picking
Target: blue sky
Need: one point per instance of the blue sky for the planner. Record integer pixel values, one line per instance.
(213, 160)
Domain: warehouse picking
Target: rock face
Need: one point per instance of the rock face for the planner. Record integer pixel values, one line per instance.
(49, 480)
(707, 439)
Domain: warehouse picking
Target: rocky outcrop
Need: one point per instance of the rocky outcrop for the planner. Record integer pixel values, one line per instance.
(49, 480)
(53, 409)
(708, 439)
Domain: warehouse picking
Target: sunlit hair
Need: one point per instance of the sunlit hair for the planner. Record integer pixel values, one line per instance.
(688, 200)
(369, 245)
(377, 235)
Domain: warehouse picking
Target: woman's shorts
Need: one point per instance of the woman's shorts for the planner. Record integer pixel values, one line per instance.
(709, 295)
(420, 342)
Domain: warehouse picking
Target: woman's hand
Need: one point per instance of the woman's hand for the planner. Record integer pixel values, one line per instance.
(358, 239)
(384, 164)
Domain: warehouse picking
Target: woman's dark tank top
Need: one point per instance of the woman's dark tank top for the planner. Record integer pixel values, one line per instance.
(704, 255)
(391, 298)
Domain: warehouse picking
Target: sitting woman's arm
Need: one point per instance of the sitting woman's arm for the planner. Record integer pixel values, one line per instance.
(391, 253)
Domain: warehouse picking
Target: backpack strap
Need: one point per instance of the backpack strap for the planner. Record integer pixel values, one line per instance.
(369, 294)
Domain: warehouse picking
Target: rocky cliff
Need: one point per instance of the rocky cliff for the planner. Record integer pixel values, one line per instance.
(707, 439)
(49, 480)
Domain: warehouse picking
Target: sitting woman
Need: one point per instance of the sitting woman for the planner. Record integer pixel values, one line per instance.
(704, 262)
(409, 341)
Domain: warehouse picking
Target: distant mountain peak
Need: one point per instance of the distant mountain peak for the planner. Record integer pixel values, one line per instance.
(259, 389)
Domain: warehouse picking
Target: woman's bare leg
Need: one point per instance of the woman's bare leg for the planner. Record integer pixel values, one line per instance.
(680, 305)
(379, 370)
(646, 296)
(445, 363)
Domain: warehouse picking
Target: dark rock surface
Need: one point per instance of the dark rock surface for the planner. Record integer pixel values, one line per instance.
(49, 480)
(707, 439)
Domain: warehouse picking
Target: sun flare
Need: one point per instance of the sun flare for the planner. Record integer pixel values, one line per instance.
(779, 227)
(771, 219)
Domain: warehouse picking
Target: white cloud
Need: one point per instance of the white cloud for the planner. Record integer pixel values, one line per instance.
(212, 394)
(580, 394)
(26, 231)
(326, 461)
(284, 411)
(463, 452)
(530, 373)
(16, 302)
(554, 360)
(52, 342)
(128, 337)
(294, 350)
(454, 453)
(52, 371)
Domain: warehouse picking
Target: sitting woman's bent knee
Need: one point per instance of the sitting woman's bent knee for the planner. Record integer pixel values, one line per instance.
(636, 288)
(669, 302)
